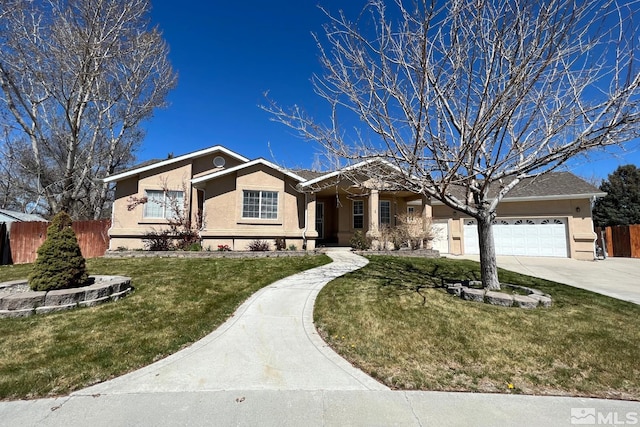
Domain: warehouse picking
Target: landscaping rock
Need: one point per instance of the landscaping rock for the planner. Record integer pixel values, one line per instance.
(534, 298)
(455, 289)
(64, 297)
(543, 300)
(96, 293)
(523, 301)
(22, 301)
(499, 298)
(15, 302)
(470, 294)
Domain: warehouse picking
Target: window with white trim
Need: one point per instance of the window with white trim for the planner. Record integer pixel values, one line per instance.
(358, 214)
(163, 204)
(260, 204)
(385, 212)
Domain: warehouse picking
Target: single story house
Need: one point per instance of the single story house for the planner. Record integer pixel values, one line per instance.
(235, 201)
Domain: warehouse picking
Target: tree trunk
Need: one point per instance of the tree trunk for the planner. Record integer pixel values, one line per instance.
(488, 265)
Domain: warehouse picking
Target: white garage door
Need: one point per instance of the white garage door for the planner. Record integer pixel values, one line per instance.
(530, 237)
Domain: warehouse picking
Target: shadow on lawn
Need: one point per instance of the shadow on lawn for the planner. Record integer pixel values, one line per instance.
(396, 276)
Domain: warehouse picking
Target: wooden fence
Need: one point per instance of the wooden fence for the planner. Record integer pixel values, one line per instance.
(26, 237)
(620, 240)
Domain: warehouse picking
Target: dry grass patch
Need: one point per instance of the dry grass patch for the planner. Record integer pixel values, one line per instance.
(175, 303)
(584, 345)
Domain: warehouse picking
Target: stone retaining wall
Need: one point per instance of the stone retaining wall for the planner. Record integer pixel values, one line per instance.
(208, 254)
(17, 300)
(533, 299)
(418, 253)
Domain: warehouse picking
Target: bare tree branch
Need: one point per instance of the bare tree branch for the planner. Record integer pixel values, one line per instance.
(474, 93)
(77, 78)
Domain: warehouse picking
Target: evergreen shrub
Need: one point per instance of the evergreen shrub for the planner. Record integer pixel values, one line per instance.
(60, 264)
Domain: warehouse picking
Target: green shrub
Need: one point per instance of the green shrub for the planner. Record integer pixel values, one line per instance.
(60, 264)
(359, 241)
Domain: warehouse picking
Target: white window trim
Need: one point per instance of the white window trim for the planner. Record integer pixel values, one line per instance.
(164, 204)
(380, 212)
(354, 214)
(260, 212)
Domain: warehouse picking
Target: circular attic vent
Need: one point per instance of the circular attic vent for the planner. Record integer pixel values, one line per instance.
(218, 161)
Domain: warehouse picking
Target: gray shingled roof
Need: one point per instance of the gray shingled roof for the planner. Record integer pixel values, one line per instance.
(549, 185)
(308, 174)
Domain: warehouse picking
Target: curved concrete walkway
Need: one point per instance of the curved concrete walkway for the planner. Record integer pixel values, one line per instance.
(270, 343)
(267, 366)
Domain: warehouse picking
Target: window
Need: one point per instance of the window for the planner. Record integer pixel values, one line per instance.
(163, 204)
(260, 204)
(411, 210)
(358, 214)
(385, 212)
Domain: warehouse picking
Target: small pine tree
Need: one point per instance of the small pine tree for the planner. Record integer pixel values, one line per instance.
(60, 264)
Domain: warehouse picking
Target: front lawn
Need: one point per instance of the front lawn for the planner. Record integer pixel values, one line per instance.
(386, 322)
(175, 303)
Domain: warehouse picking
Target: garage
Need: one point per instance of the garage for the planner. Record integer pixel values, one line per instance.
(522, 236)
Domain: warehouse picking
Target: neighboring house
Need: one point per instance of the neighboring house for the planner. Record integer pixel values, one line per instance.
(13, 216)
(241, 200)
(8, 217)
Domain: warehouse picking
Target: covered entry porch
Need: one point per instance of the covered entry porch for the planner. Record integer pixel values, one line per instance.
(341, 212)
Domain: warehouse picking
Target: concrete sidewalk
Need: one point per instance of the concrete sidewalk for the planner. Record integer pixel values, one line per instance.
(267, 366)
(615, 277)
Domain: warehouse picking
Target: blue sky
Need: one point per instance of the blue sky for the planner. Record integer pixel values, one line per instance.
(228, 54)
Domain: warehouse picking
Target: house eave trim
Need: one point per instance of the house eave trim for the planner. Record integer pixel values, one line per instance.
(214, 149)
(541, 198)
(196, 181)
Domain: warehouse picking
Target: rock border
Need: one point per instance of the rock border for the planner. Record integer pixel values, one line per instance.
(22, 304)
(533, 299)
(209, 254)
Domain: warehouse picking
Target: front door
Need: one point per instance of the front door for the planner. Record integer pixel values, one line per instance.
(320, 220)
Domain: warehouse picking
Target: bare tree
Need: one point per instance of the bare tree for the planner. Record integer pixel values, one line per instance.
(465, 95)
(77, 77)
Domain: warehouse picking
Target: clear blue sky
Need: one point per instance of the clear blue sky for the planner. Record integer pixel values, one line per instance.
(228, 53)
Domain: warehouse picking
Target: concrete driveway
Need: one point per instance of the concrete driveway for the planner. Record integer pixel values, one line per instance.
(615, 277)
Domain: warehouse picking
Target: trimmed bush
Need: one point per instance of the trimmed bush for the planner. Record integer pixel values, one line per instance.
(359, 241)
(60, 264)
(259, 246)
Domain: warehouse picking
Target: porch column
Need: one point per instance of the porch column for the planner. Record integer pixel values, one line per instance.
(427, 218)
(374, 201)
(427, 210)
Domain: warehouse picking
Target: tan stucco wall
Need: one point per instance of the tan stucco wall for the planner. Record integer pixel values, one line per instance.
(580, 235)
(223, 222)
(130, 223)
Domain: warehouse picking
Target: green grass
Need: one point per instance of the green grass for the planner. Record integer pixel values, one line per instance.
(175, 303)
(390, 322)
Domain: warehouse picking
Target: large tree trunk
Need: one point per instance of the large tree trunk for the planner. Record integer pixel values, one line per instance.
(488, 265)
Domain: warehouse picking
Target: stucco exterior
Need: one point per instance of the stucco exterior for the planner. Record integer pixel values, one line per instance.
(215, 182)
(576, 212)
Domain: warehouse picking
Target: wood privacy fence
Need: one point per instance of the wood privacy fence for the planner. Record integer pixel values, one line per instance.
(26, 237)
(620, 240)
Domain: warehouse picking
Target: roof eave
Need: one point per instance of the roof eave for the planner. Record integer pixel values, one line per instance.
(200, 180)
(333, 174)
(542, 198)
(200, 153)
